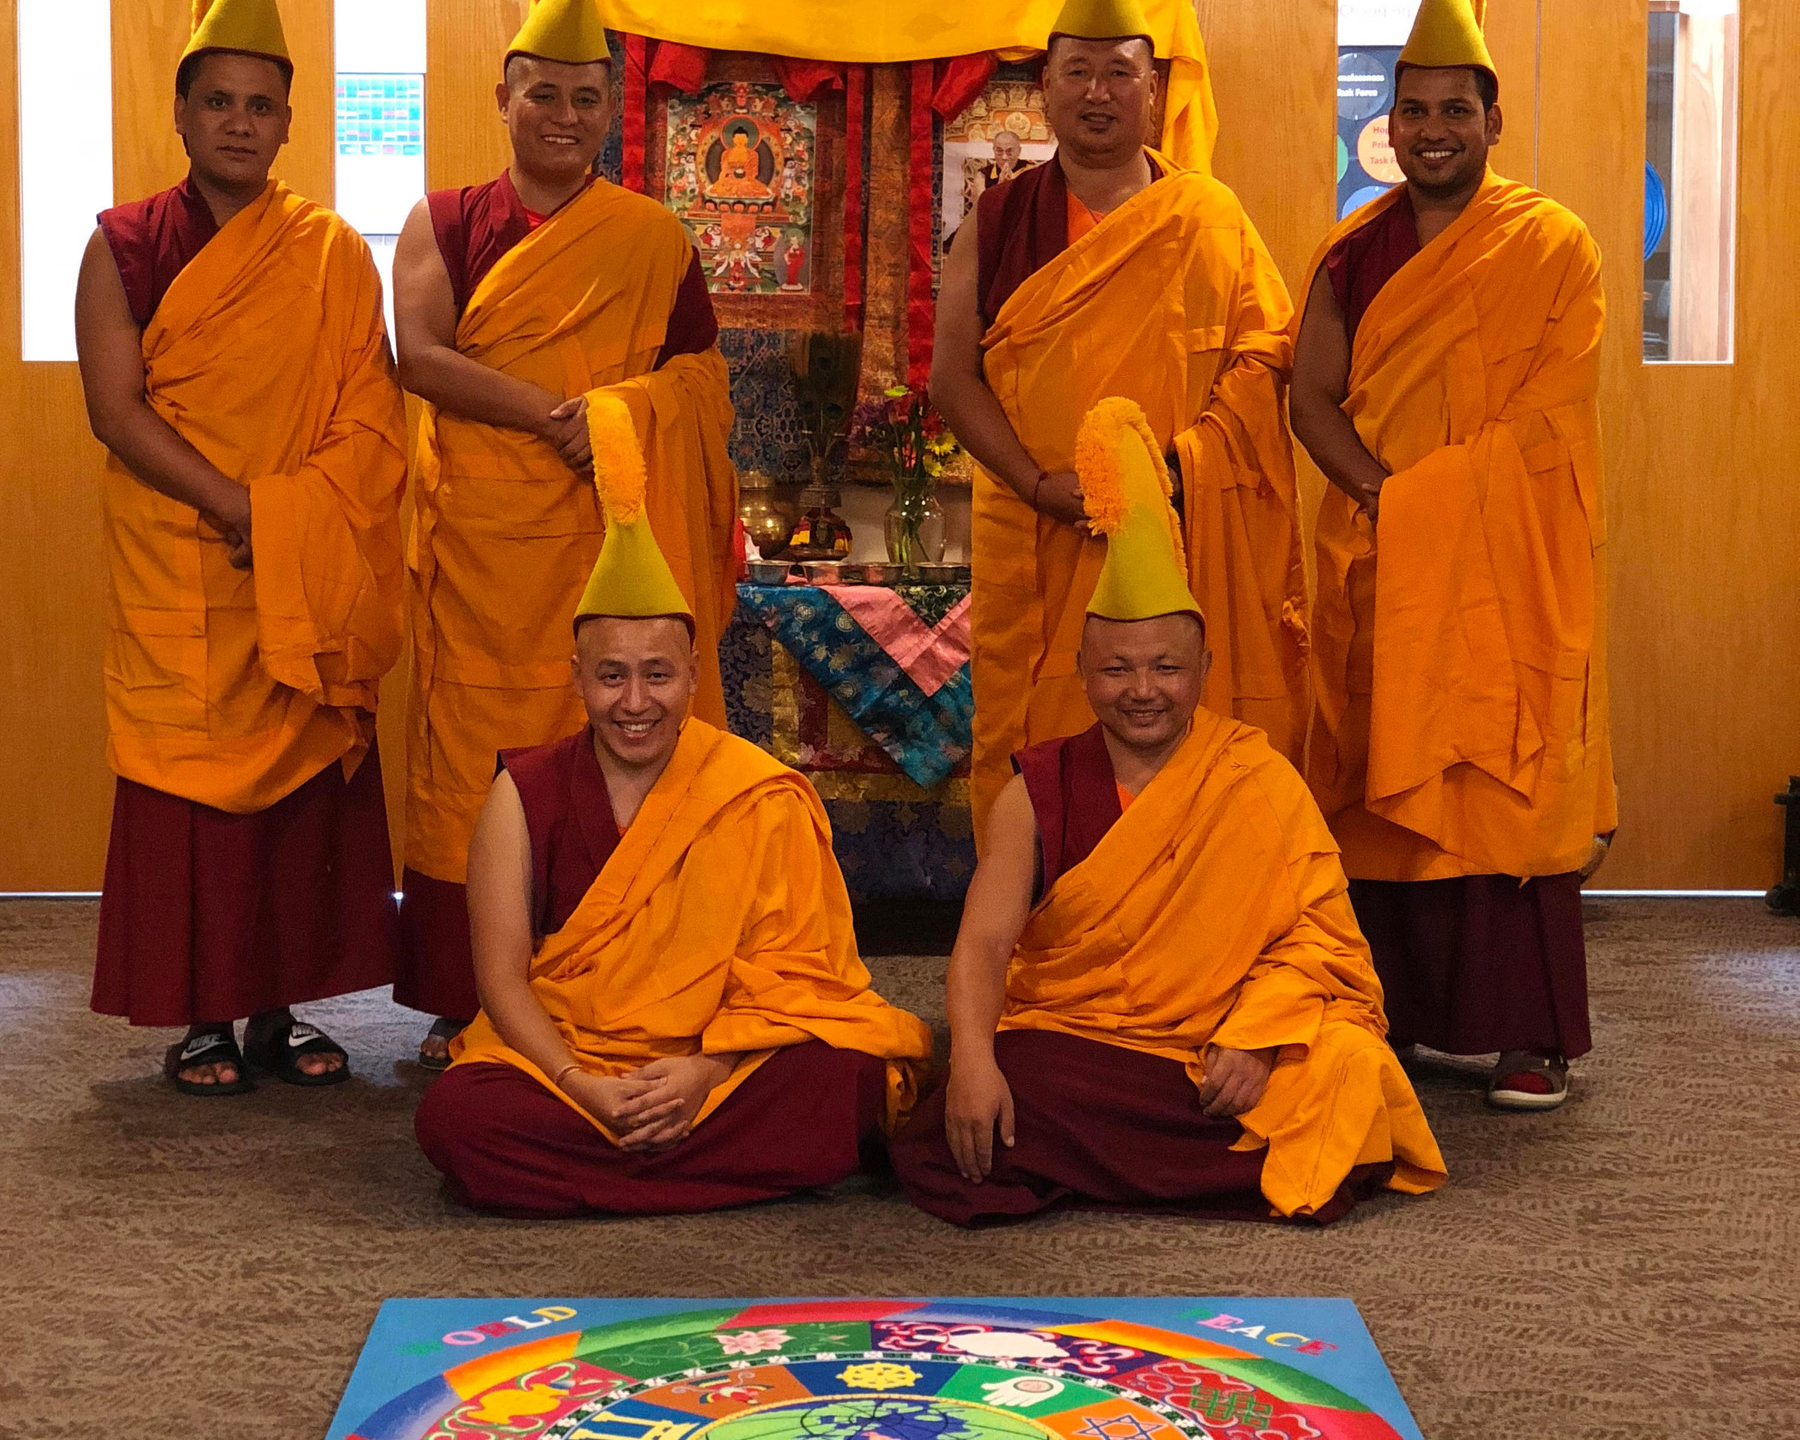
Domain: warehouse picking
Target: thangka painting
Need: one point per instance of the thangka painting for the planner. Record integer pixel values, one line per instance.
(949, 1369)
(739, 171)
(1002, 132)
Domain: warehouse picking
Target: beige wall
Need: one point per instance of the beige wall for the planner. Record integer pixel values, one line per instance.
(1705, 518)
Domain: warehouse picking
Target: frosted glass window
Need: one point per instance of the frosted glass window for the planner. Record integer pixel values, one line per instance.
(1690, 182)
(1371, 34)
(65, 162)
(380, 121)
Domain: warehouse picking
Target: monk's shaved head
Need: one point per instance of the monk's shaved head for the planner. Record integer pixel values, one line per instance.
(1100, 98)
(1144, 678)
(1444, 122)
(636, 680)
(556, 115)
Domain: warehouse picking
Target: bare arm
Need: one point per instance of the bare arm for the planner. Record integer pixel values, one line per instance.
(960, 390)
(1315, 403)
(119, 413)
(994, 916)
(436, 371)
(499, 890)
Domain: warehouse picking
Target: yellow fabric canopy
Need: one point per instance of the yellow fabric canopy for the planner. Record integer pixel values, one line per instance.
(887, 32)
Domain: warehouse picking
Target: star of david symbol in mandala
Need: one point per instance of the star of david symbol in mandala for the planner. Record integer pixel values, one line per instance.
(884, 1420)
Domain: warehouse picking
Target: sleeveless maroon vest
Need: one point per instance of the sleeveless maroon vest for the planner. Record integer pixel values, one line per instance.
(1074, 795)
(569, 817)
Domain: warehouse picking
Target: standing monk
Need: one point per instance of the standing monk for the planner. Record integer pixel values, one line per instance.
(237, 370)
(1445, 381)
(513, 299)
(1110, 271)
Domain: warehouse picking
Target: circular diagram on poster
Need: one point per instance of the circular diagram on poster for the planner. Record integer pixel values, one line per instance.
(1376, 155)
(1364, 86)
(1360, 198)
(709, 1375)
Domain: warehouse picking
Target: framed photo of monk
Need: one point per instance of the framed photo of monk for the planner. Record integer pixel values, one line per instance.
(1000, 134)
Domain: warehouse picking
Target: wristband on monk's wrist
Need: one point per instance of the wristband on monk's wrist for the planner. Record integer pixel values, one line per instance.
(1037, 485)
(562, 1073)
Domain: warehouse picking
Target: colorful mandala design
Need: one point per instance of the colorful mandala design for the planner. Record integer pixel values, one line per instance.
(873, 1370)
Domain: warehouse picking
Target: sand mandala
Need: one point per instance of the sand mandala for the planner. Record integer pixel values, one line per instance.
(946, 1369)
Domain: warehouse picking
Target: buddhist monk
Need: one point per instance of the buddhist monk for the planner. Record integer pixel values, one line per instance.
(1445, 382)
(237, 370)
(513, 299)
(674, 1016)
(1110, 270)
(1158, 997)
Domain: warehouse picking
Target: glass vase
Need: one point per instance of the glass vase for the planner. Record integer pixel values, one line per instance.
(915, 528)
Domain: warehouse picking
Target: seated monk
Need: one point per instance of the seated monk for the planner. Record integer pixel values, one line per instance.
(673, 1013)
(1160, 933)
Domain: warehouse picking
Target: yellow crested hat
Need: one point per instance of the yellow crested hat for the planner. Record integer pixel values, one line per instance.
(1448, 33)
(567, 30)
(1126, 486)
(631, 579)
(250, 26)
(1102, 20)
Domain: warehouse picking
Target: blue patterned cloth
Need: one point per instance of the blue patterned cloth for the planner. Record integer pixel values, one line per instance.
(927, 736)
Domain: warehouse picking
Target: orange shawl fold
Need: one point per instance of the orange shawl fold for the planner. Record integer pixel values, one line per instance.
(1173, 301)
(1459, 660)
(1215, 912)
(269, 355)
(505, 534)
(720, 925)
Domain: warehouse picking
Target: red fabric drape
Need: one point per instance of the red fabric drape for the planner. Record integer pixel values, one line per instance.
(856, 99)
(803, 79)
(963, 79)
(683, 66)
(920, 220)
(632, 123)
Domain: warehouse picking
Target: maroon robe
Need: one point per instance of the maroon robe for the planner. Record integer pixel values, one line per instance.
(1022, 225)
(1479, 963)
(207, 916)
(475, 227)
(506, 1144)
(1095, 1125)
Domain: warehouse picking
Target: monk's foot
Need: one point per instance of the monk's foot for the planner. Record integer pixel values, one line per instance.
(434, 1049)
(293, 1051)
(1528, 1080)
(208, 1062)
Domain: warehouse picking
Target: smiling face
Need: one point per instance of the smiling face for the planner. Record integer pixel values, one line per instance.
(636, 679)
(1441, 129)
(1098, 98)
(557, 116)
(1144, 677)
(233, 119)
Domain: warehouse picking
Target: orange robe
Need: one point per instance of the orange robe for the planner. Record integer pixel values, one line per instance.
(268, 354)
(1214, 912)
(505, 533)
(719, 925)
(1461, 725)
(1173, 301)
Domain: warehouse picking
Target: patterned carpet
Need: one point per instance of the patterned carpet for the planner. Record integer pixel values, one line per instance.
(1624, 1268)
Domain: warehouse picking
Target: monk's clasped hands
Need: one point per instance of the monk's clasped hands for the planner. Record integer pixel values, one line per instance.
(567, 430)
(654, 1106)
(1235, 1079)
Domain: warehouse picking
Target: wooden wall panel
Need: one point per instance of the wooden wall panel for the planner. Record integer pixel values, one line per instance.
(465, 141)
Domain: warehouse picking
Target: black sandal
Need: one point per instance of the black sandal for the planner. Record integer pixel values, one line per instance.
(443, 1028)
(209, 1047)
(278, 1050)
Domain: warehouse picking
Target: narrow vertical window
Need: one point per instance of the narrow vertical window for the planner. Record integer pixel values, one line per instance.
(65, 161)
(1690, 182)
(1371, 34)
(380, 121)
